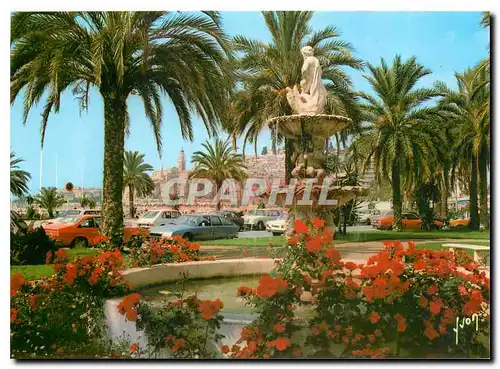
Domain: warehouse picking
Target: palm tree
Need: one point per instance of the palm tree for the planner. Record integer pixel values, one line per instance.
(18, 178)
(399, 136)
(119, 54)
(49, 199)
(218, 162)
(266, 69)
(136, 178)
(469, 110)
(84, 201)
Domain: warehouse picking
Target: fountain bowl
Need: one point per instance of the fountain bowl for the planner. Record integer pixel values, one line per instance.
(318, 126)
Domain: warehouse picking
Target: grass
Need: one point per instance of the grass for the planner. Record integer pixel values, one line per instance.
(358, 237)
(32, 272)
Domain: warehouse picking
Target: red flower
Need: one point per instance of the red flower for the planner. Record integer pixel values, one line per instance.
(420, 264)
(48, 257)
(401, 325)
(293, 240)
(194, 246)
(224, 349)
(209, 308)
(134, 347)
(374, 317)
(281, 343)
(13, 314)
(378, 332)
(16, 281)
(423, 302)
(333, 254)
(318, 223)
(314, 244)
(33, 301)
(431, 333)
(300, 227)
(269, 286)
(279, 328)
(350, 265)
(315, 330)
(244, 291)
(435, 306)
(433, 289)
(297, 352)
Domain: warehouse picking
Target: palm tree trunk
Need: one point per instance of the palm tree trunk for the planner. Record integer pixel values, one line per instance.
(114, 143)
(218, 184)
(289, 147)
(474, 217)
(483, 187)
(131, 209)
(444, 194)
(396, 195)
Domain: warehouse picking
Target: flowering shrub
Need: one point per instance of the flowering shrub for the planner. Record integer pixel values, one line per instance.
(165, 250)
(65, 311)
(403, 302)
(185, 327)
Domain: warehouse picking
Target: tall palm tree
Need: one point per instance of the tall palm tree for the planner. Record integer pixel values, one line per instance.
(149, 54)
(267, 69)
(469, 109)
(49, 199)
(399, 136)
(18, 178)
(218, 162)
(136, 178)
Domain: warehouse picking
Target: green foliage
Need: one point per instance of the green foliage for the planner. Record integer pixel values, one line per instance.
(18, 178)
(30, 248)
(31, 212)
(184, 327)
(49, 199)
(218, 162)
(136, 177)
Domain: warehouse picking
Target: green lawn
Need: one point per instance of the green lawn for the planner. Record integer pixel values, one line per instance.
(357, 237)
(31, 272)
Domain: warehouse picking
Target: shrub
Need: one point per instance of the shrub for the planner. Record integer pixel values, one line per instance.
(64, 312)
(185, 328)
(403, 302)
(30, 248)
(165, 250)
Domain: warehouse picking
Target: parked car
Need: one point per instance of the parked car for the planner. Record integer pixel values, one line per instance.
(197, 227)
(410, 221)
(366, 216)
(73, 213)
(459, 223)
(82, 230)
(277, 226)
(258, 218)
(230, 215)
(155, 218)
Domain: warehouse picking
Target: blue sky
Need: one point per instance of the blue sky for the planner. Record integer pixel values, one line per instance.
(445, 42)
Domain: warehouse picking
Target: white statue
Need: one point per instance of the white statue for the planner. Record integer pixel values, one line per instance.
(311, 100)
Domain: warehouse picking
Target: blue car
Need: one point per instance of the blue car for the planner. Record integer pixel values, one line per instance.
(197, 227)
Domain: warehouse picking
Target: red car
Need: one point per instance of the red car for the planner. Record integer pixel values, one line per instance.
(410, 221)
(82, 230)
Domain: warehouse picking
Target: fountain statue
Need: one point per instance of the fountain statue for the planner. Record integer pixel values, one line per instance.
(311, 100)
(309, 127)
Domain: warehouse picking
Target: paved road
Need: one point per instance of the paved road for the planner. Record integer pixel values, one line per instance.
(259, 234)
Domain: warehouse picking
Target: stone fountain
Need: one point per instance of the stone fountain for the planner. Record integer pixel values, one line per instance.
(309, 127)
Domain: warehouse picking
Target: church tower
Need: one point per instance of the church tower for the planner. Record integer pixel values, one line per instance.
(181, 162)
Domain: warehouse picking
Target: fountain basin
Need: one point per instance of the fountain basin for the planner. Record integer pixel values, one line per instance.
(318, 126)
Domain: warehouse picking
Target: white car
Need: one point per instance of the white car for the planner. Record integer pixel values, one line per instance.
(277, 226)
(258, 218)
(157, 218)
(366, 216)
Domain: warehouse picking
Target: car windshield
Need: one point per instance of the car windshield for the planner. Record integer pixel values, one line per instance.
(257, 212)
(150, 214)
(188, 220)
(69, 220)
(70, 213)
